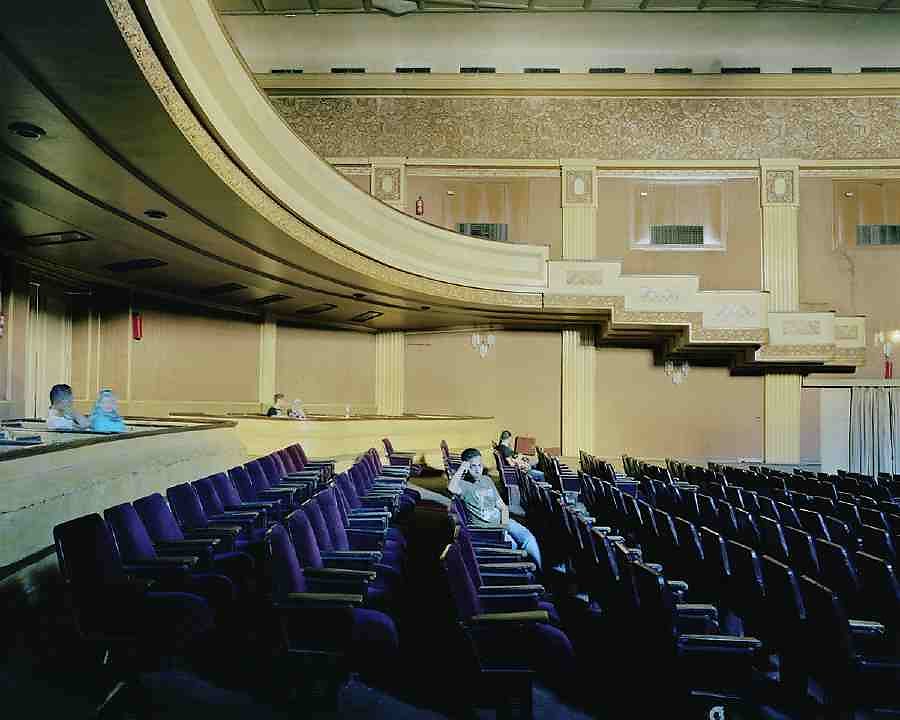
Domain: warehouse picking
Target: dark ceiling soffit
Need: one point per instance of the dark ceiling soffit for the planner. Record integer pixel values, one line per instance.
(23, 67)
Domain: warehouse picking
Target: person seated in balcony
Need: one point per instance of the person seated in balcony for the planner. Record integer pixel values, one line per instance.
(61, 415)
(484, 504)
(278, 408)
(296, 410)
(105, 417)
(506, 450)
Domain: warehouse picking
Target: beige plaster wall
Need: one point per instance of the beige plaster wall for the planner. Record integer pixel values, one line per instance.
(731, 207)
(531, 207)
(327, 369)
(518, 382)
(639, 411)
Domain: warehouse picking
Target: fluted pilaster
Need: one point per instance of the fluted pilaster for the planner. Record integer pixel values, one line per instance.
(780, 241)
(578, 369)
(782, 418)
(268, 337)
(390, 355)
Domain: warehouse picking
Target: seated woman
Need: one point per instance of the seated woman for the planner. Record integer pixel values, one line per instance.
(61, 415)
(105, 417)
(296, 410)
(505, 448)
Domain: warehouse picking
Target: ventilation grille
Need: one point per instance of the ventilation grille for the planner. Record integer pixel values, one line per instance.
(885, 69)
(316, 309)
(413, 69)
(673, 71)
(540, 70)
(221, 289)
(60, 238)
(366, 316)
(485, 231)
(277, 297)
(878, 234)
(740, 71)
(347, 70)
(676, 235)
(811, 70)
(605, 70)
(287, 71)
(137, 264)
(477, 69)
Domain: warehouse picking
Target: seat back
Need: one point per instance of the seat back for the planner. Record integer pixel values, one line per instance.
(803, 556)
(881, 588)
(267, 465)
(773, 541)
(348, 489)
(748, 531)
(304, 538)
(768, 508)
(837, 571)
(727, 520)
(747, 586)
(295, 452)
(813, 524)
(226, 488)
(462, 590)
(287, 460)
(827, 622)
(388, 447)
(287, 576)
(873, 517)
(209, 498)
(849, 513)
(87, 554)
(258, 477)
(785, 611)
(158, 519)
(715, 555)
(328, 503)
(186, 505)
(877, 541)
(320, 527)
(789, 516)
(132, 538)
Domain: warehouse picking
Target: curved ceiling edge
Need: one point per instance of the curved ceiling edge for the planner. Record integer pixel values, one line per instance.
(369, 237)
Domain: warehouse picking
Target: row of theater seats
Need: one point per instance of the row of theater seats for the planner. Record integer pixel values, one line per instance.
(775, 568)
(280, 552)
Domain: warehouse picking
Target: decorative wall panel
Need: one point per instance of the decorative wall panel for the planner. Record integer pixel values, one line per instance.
(611, 128)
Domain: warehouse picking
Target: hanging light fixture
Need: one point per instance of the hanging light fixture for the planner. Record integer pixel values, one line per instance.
(678, 371)
(483, 343)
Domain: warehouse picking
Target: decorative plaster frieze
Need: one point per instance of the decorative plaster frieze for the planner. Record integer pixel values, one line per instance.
(802, 326)
(734, 314)
(582, 278)
(779, 187)
(579, 187)
(661, 296)
(658, 129)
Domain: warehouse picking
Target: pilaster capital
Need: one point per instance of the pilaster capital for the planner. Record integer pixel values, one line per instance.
(779, 182)
(579, 187)
(388, 180)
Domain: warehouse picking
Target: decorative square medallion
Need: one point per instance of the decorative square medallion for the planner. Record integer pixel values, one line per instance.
(579, 187)
(780, 187)
(386, 184)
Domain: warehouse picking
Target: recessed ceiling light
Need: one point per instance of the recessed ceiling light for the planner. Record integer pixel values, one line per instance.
(359, 296)
(425, 307)
(644, 193)
(26, 130)
(849, 194)
(156, 214)
(290, 14)
(451, 193)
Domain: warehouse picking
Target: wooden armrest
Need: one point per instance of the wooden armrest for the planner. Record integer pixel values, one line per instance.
(524, 616)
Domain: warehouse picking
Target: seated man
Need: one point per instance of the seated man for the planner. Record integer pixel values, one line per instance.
(505, 448)
(484, 504)
(61, 415)
(278, 409)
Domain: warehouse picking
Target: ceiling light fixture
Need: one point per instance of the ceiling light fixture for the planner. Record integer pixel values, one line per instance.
(849, 194)
(156, 214)
(425, 307)
(359, 296)
(26, 130)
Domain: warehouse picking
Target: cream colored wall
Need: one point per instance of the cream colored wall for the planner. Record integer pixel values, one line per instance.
(738, 267)
(641, 412)
(194, 356)
(810, 431)
(326, 369)
(570, 41)
(14, 295)
(518, 382)
(842, 277)
(531, 207)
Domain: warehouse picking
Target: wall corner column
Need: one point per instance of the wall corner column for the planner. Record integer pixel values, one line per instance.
(579, 210)
(268, 339)
(390, 373)
(780, 201)
(578, 370)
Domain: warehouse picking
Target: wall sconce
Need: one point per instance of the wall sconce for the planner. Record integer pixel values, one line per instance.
(137, 326)
(678, 371)
(420, 206)
(483, 343)
(887, 340)
(2, 324)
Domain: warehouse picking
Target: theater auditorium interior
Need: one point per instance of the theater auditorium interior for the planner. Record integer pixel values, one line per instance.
(449, 359)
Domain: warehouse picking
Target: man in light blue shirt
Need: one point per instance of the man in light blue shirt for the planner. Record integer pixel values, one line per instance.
(484, 504)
